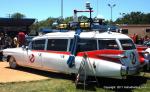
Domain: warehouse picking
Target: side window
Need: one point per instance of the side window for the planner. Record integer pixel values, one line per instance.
(85, 45)
(38, 44)
(127, 44)
(108, 44)
(57, 44)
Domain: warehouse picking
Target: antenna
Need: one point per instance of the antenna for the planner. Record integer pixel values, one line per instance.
(97, 7)
(61, 9)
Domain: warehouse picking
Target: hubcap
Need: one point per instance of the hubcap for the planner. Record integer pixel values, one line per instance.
(12, 62)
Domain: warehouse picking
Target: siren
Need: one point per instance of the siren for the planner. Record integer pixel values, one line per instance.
(84, 25)
(63, 26)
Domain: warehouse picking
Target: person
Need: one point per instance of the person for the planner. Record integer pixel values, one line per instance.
(146, 38)
(136, 39)
(21, 38)
(1, 41)
(15, 42)
(8, 41)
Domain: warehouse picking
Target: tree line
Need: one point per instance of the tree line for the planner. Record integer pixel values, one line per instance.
(134, 18)
(130, 18)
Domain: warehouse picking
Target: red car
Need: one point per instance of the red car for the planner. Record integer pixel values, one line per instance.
(143, 56)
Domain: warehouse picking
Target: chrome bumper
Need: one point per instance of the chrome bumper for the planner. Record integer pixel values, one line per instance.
(125, 71)
(134, 70)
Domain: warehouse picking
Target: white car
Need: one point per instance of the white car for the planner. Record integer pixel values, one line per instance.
(106, 54)
(148, 54)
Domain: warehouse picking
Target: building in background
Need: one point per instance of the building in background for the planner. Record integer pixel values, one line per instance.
(12, 26)
(140, 29)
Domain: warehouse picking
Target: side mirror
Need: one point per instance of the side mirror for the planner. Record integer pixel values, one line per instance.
(23, 47)
(26, 48)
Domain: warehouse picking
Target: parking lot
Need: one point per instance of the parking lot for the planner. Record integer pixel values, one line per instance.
(17, 75)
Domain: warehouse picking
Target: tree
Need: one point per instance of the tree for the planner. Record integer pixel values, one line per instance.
(134, 18)
(18, 15)
(68, 19)
(83, 18)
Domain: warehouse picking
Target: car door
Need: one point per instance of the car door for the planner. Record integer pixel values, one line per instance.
(33, 54)
(56, 55)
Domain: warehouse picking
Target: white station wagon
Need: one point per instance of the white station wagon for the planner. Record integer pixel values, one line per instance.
(105, 54)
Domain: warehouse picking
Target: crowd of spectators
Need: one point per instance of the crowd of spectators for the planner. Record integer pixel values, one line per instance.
(139, 40)
(7, 41)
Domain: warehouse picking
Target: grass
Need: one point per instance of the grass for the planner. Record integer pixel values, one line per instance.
(64, 83)
(51, 85)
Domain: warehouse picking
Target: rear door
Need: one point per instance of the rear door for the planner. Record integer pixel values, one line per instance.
(130, 51)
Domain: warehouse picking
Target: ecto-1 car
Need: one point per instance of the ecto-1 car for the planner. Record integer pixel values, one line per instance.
(105, 54)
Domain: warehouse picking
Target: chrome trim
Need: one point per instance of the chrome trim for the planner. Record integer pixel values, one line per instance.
(124, 70)
(112, 55)
(134, 70)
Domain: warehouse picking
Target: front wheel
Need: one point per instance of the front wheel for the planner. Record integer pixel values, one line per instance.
(12, 63)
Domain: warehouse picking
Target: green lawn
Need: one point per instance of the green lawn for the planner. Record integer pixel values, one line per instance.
(63, 83)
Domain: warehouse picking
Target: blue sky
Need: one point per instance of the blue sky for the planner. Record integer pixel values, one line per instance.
(42, 9)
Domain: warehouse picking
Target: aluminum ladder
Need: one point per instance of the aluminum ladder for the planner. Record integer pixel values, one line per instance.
(81, 77)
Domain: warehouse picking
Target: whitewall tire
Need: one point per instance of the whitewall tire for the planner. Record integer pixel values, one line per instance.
(12, 62)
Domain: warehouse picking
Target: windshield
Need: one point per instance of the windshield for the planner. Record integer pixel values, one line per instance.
(127, 44)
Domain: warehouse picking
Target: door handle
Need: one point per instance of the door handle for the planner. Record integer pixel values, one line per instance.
(40, 54)
(62, 56)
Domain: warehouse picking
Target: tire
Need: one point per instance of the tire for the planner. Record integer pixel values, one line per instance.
(12, 63)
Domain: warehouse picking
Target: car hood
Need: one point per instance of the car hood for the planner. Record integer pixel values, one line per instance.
(11, 50)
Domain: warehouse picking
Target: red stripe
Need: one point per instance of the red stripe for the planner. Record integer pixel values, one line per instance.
(92, 54)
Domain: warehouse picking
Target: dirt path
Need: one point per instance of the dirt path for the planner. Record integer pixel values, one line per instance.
(12, 75)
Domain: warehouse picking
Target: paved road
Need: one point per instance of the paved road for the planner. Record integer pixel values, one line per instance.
(17, 75)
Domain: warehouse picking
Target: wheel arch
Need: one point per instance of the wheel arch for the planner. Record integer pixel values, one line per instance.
(8, 57)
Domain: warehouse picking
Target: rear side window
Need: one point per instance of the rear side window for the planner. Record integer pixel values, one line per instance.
(57, 44)
(38, 44)
(127, 44)
(108, 44)
(85, 45)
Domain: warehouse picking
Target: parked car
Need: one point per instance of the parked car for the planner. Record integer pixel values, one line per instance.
(106, 54)
(144, 56)
(147, 43)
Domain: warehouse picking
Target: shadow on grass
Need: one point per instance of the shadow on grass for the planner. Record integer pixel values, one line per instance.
(118, 85)
(126, 85)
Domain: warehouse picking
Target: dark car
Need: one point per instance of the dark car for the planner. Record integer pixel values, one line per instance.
(147, 43)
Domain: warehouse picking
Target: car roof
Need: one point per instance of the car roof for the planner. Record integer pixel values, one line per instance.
(86, 35)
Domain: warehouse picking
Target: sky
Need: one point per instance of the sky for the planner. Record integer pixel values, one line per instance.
(42, 9)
